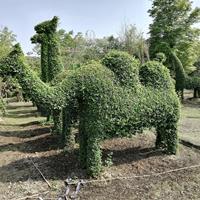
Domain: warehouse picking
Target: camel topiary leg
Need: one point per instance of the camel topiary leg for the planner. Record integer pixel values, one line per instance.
(172, 138)
(57, 119)
(68, 138)
(167, 137)
(94, 163)
(83, 144)
(160, 138)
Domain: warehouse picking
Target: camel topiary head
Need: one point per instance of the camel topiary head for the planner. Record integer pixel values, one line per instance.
(43, 29)
(47, 26)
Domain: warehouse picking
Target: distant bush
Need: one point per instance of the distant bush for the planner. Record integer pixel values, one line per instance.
(2, 106)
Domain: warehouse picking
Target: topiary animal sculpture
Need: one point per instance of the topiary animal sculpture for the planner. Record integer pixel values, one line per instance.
(183, 80)
(115, 99)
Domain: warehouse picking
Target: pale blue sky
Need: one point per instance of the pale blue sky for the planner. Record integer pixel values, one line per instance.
(104, 17)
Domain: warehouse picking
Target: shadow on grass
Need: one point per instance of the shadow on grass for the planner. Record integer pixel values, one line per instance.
(44, 143)
(193, 117)
(12, 107)
(190, 104)
(27, 115)
(131, 154)
(189, 144)
(22, 112)
(25, 133)
(63, 165)
(24, 124)
(54, 167)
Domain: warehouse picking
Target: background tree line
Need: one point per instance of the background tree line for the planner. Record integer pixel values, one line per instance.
(172, 29)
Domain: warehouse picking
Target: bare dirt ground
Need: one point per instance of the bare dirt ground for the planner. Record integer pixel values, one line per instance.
(24, 141)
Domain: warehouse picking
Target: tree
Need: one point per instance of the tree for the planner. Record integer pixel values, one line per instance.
(173, 34)
(79, 48)
(8, 85)
(71, 47)
(7, 38)
(133, 42)
(172, 29)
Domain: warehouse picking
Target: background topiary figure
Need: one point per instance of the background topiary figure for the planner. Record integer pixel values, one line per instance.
(180, 74)
(183, 80)
(108, 105)
(50, 61)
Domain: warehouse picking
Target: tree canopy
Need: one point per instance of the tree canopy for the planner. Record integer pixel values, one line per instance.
(7, 39)
(172, 28)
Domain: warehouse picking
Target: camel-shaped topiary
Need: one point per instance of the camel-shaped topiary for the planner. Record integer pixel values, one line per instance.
(115, 99)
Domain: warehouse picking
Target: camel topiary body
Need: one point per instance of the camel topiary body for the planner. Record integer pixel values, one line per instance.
(115, 99)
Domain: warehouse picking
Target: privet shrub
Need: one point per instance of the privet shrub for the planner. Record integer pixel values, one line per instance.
(110, 103)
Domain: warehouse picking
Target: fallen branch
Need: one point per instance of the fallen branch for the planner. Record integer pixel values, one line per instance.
(31, 196)
(143, 176)
(150, 152)
(40, 173)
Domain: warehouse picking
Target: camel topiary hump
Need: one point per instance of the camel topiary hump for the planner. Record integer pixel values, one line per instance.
(155, 74)
(125, 67)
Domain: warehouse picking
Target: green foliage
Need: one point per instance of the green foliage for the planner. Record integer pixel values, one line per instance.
(172, 28)
(193, 82)
(77, 49)
(188, 51)
(7, 38)
(50, 60)
(133, 42)
(108, 104)
(34, 63)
